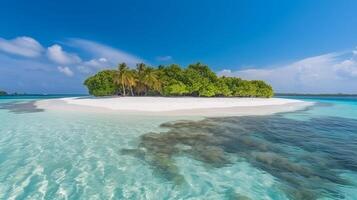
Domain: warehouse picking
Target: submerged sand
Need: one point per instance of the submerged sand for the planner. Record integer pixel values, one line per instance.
(185, 106)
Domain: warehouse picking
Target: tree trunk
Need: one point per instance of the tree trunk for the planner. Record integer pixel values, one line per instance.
(123, 90)
(131, 90)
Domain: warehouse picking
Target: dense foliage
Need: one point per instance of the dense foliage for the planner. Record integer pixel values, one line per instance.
(2, 93)
(102, 83)
(195, 80)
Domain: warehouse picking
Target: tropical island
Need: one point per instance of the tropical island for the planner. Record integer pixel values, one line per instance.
(196, 80)
(173, 90)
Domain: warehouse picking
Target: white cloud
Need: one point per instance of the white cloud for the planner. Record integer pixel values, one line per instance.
(164, 58)
(65, 70)
(347, 68)
(84, 69)
(93, 65)
(23, 60)
(35, 75)
(58, 55)
(328, 73)
(97, 63)
(113, 56)
(23, 46)
(355, 51)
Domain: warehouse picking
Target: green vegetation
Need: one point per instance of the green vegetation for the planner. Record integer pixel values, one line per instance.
(102, 84)
(2, 93)
(172, 80)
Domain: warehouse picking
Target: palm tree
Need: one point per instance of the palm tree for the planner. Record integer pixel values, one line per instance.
(150, 79)
(147, 79)
(140, 86)
(120, 79)
(140, 67)
(131, 80)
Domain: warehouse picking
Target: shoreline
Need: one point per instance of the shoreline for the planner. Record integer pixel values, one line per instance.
(175, 106)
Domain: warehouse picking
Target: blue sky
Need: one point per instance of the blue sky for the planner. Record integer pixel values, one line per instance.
(297, 46)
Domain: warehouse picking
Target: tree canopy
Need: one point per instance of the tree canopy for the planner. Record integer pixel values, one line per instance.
(172, 80)
(103, 83)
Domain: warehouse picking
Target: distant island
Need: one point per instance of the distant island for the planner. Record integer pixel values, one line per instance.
(3, 93)
(196, 80)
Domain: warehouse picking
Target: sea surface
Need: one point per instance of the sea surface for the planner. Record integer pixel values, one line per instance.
(307, 154)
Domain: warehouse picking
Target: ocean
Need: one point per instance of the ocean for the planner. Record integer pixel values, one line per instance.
(307, 154)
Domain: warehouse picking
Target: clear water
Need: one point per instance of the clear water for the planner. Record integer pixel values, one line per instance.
(310, 154)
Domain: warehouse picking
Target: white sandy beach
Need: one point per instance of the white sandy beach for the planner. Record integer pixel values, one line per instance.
(176, 105)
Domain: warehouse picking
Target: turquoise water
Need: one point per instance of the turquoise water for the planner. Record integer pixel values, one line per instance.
(309, 154)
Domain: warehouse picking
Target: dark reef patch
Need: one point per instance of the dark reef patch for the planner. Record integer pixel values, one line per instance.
(303, 155)
(21, 107)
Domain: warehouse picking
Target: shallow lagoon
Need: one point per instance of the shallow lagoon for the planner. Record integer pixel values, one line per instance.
(310, 154)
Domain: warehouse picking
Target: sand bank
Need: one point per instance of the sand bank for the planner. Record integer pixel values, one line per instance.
(176, 105)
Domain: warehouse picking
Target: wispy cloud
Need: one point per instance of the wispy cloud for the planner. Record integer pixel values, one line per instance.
(164, 58)
(328, 73)
(35, 66)
(65, 70)
(355, 51)
(93, 65)
(99, 50)
(34, 75)
(58, 55)
(23, 46)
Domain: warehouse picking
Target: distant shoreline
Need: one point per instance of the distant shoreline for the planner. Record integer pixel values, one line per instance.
(302, 94)
(81, 95)
(44, 95)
